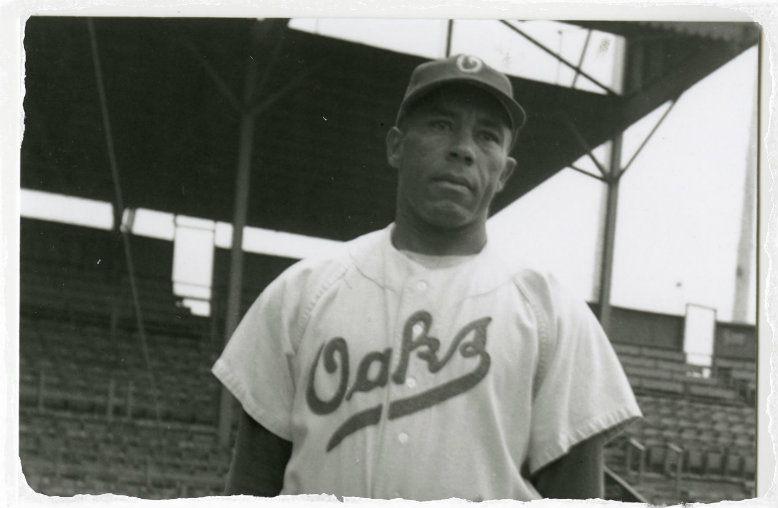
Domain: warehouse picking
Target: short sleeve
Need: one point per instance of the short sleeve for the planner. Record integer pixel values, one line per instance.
(255, 365)
(582, 390)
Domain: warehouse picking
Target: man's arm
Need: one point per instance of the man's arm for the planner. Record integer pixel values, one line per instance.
(259, 461)
(576, 475)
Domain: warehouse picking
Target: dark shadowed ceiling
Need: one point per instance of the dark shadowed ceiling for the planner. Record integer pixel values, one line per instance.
(176, 92)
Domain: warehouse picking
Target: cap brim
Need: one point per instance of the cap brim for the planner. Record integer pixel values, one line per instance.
(516, 113)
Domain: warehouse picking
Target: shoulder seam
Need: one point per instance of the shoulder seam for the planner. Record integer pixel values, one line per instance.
(542, 335)
(308, 310)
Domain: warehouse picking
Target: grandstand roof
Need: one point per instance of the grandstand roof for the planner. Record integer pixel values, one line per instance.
(318, 164)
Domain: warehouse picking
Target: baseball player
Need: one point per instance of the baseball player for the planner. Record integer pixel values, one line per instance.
(415, 363)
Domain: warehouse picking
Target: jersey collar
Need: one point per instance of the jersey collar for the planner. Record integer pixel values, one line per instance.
(376, 258)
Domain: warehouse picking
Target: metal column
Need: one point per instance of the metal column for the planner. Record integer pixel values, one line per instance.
(242, 185)
(242, 182)
(271, 29)
(612, 178)
(745, 249)
(609, 232)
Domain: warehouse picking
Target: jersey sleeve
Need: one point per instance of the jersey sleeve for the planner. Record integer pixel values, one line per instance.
(581, 389)
(255, 365)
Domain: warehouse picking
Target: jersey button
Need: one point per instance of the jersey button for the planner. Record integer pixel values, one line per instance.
(410, 382)
(421, 286)
(402, 437)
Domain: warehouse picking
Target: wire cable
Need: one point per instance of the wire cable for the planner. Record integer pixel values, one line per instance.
(123, 231)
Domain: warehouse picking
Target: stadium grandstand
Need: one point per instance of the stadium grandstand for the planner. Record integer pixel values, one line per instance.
(115, 392)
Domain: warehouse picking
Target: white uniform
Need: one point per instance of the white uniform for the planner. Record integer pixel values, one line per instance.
(395, 380)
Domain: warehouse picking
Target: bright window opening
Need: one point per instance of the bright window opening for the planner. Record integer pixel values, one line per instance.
(66, 209)
(699, 328)
(193, 253)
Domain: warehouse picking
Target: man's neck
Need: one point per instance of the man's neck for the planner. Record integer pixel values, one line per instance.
(435, 241)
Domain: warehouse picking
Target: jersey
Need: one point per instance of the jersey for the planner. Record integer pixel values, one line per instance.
(394, 380)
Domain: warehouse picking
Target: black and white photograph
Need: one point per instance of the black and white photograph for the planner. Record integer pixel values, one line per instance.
(390, 258)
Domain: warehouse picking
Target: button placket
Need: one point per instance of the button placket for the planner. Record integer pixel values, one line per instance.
(414, 297)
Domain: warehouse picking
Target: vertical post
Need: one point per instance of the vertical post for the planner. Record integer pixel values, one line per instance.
(264, 30)
(117, 255)
(147, 472)
(677, 452)
(642, 464)
(110, 398)
(213, 326)
(235, 286)
(745, 249)
(622, 73)
(129, 402)
(628, 458)
(449, 32)
(609, 233)
(41, 395)
(58, 453)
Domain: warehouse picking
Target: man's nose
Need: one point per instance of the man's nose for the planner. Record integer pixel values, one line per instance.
(462, 146)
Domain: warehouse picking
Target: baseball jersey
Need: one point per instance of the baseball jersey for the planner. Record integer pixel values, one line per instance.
(394, 380)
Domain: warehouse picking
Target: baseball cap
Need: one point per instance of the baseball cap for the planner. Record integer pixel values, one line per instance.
(463, 69)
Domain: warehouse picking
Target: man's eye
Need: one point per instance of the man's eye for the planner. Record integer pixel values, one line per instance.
(490, 136)
(440, 124)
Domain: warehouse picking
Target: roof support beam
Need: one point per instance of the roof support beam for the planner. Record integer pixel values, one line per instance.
(297, 81)
(449, 34)
(642, 100)
(583, 171)
(648, 138)
(585, 145)
(217, 80)
(606, 89)
(581, 58)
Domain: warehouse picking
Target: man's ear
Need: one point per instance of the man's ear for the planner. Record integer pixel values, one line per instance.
(394, 140)
(507, 171)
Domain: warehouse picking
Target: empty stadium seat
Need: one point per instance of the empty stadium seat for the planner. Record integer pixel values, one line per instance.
(626, 349)
(714, 462)
(733, 464)
(716, 437)
(749, 466)
(662, 385)
(695, 460)
(88, 371)
(129, 453)
(664, 354)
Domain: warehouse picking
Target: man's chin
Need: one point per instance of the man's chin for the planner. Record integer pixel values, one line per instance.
(449, 218)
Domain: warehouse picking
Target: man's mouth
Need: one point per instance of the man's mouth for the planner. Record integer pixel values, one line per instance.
(454, 181)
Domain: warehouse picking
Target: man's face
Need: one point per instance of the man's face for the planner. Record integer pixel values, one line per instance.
(451, 153)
